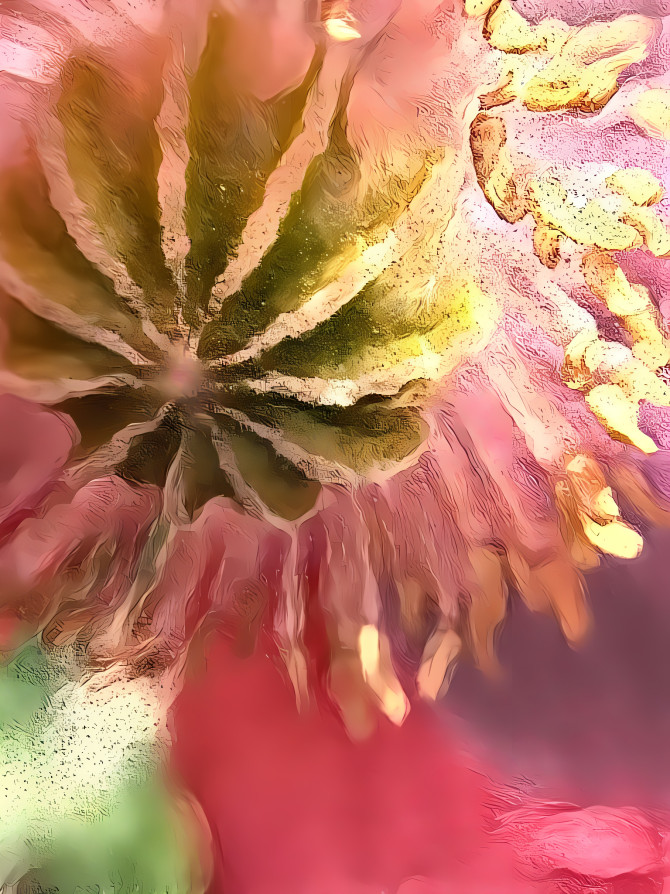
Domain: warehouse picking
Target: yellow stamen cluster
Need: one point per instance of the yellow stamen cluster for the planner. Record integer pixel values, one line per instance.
(558, 67)
(587, 500)
(554, 67)
(378, 673)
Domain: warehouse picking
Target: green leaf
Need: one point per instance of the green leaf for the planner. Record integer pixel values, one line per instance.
(25, 685)
(120, 833)
(138, 847)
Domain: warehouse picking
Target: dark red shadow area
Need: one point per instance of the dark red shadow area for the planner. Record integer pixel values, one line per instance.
(295, 806)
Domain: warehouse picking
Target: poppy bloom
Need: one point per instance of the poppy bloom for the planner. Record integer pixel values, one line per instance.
(334, 327)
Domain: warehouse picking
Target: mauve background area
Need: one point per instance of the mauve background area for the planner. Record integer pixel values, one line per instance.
(591, 725)
(294, 806)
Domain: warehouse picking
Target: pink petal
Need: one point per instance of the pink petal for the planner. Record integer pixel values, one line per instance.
(30, 460)
(104, 523)
(600, 841)
(218, 563)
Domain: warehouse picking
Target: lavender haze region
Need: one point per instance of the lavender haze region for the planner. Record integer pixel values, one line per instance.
(584, 725)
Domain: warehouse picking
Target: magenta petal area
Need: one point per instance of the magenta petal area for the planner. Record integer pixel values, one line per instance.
(294, 805)
(34, 448)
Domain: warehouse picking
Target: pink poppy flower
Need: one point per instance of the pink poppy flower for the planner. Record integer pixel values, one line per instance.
(337, 323)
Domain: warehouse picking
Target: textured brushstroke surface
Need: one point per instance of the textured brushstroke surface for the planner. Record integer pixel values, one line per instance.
(334, 327)
(79, 785)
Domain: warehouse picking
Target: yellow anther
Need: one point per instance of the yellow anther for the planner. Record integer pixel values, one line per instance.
(651, 228)
(510, 32)
(615, 538)
(637, 185)
(618, 414)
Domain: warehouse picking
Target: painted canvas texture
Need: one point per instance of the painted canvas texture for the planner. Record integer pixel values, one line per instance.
(334, 446)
